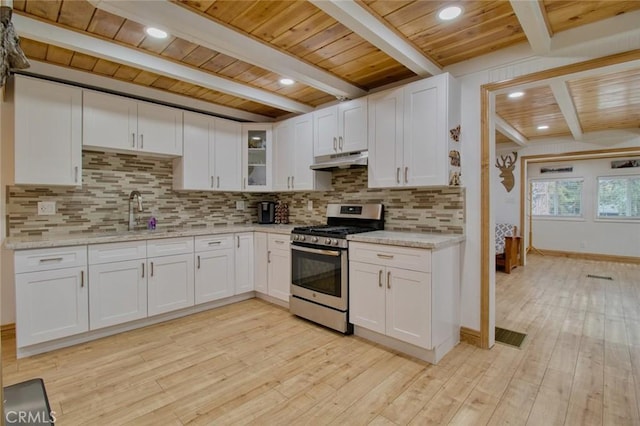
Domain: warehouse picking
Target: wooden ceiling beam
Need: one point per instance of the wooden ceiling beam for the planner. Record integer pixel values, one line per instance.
(568, 109)
(58, 36)
(88, 79)
(534, 24)
(362, 22)
(509, 131)
(190, 26)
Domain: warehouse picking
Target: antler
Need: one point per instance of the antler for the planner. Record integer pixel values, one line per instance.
(507, 161)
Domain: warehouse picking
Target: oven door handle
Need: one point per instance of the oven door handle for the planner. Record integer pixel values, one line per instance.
(317, 251)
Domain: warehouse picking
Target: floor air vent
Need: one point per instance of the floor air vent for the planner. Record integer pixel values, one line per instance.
(600, 277)
(509, 337)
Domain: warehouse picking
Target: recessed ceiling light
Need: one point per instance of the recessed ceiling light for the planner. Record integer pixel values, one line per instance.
(286, 81)
(542, 127)
(256, 138)
(156, 32)
(514, 95)
(449, 13)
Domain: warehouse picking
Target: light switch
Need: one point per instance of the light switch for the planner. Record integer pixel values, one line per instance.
(240, 205)
(46, 208)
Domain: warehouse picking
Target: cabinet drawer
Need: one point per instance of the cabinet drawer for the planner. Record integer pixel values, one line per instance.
(47, 259)
(414, 259)
(169, 246)
(116, 252)
(214, 242)
(278, 242)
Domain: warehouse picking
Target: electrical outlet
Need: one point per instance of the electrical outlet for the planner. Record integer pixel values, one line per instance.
(240, 205)
(46, 208)
(310, 205)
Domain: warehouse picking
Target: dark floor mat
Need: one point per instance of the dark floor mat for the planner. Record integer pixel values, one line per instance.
(509, 337)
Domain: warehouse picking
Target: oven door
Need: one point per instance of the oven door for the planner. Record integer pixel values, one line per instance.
(320, 275)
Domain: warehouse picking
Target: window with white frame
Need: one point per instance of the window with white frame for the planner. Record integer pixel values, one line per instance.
(556, 197)
(619, 197)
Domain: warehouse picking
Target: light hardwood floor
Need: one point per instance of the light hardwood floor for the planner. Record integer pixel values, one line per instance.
(254, 363)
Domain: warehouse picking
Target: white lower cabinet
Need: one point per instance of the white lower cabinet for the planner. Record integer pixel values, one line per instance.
(117, 283)
(244, 263)
(171, 276)
(215, 268)
(279, 267)
(391, 293)
(52, 297)
(261, 262)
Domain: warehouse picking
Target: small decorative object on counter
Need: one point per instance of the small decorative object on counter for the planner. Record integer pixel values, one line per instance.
(281, 213)
(152, 223)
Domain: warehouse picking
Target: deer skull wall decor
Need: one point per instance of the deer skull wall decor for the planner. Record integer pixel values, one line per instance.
(506, 164)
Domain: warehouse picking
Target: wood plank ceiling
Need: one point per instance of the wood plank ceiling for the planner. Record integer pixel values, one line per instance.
(312, 37)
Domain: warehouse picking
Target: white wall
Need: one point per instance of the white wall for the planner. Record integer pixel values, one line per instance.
(586, 234)
(507, 204)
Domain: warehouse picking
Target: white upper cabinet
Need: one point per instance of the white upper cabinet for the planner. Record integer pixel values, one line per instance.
(293, 154)
(212, 155)
(42, 133)
(409, 139)
(256, 157)
(341, 128)
(117, 123)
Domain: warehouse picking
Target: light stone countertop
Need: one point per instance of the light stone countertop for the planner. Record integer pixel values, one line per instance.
(408, 239)
(48, 241)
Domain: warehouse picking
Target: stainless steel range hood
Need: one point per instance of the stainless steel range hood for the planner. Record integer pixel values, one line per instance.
(341, 161)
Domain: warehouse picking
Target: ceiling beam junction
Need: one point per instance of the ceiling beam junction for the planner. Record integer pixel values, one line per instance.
(565, 102)
(509, 131)
(185, 24)
(58, 36)
(532, 20)
(366, 25)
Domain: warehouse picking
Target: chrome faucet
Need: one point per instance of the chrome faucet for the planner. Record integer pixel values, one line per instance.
(132, 220)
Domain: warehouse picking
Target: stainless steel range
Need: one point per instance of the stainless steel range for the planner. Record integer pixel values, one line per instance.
(320, 267)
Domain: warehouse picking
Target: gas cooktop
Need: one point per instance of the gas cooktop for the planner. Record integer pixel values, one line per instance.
(331, 231)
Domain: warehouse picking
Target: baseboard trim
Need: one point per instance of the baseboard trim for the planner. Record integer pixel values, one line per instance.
(470, 336)
(591, 256)
(8, 329)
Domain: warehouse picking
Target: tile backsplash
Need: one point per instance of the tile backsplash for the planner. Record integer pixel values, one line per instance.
(101, 204)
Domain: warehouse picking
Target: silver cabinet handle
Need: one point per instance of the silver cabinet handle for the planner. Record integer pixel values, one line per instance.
(75, 171)
(238, 238)
(385, 256)
(213, 243)
(335, 144)
(389, 279)
(340, 143)
(380, 278)
(52, 259)
(212, 181)
(81, 279)
(151, 268)
(292, 182)
(141, 141)
(133, 140)
(142, 269)
(398, 175)
(278, 241)
(269, 256)
(288, 182)
(406, 172)
(218, 182)
(198, 262)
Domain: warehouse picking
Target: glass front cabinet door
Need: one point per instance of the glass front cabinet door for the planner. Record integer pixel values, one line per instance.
(256, 158)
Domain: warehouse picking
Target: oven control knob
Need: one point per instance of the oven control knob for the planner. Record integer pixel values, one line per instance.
(335, 242)
(314, 239)
(301, 237)
(295, 238)
(327, 241)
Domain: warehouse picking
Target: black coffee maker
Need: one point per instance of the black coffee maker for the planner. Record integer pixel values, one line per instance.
(266, 212)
